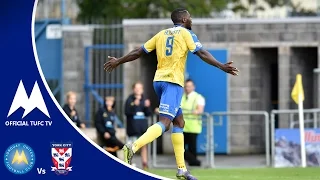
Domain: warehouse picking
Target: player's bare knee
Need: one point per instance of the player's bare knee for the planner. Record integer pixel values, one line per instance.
(182, 124)
(166, 122)
(179, 122)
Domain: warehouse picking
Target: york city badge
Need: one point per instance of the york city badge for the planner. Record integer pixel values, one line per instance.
(61, 157)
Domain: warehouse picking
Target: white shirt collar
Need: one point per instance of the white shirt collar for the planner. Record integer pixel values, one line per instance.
(190, 93)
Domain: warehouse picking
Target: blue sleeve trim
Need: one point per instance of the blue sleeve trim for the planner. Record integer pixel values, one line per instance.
(194, 37)
(144, 49)
(195, 41)
(196, 50)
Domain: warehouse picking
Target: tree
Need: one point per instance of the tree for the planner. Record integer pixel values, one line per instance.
(245, 7)
(298, 10)
(250, 7)
(276, 3)
(119, 9)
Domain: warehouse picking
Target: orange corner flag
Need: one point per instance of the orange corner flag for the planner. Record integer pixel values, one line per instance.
(297, 90)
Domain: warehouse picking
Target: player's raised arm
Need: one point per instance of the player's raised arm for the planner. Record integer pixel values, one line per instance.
(195, 47)
(208, 58)
(131, 56)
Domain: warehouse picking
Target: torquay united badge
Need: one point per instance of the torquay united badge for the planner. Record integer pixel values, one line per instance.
(19, 158)
(61, 157)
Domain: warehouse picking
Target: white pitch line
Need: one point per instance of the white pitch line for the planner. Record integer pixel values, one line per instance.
(262, 178)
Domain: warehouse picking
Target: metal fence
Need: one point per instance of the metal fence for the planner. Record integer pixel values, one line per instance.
(251, 114)
(311, 117)
(206, 122)
(209, 122)
(311, 120)
(107, 41)
(215, 119)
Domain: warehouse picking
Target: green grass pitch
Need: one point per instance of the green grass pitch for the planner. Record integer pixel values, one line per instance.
(248, 174)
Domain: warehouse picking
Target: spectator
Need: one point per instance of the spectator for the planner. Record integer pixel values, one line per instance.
(70, 110)
(192, 105)
(105, 123)
(137, 109)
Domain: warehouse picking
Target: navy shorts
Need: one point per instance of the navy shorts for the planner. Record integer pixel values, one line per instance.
(169, 95)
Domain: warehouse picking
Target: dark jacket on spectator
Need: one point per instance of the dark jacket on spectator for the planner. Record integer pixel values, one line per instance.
(75, 118)
(137, 122)
(106, 121)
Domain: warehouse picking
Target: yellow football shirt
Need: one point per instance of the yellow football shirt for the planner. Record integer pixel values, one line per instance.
(172, 46)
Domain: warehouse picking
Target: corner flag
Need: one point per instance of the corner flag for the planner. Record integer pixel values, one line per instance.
(297, 95)
(297, 90)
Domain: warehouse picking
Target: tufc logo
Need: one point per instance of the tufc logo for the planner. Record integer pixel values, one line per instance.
(35, 100)
(19, 158)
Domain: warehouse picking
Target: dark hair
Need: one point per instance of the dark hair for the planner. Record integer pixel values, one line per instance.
(177, 14)
(189, 80)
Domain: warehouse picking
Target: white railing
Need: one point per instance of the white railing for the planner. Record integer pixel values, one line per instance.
(209, 123)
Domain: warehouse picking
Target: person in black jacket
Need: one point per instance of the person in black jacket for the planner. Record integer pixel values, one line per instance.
(105, 123)
(137, 109)
(70, 110)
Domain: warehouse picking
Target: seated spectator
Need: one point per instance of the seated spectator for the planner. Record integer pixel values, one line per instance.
(105, 123)
(70, 110)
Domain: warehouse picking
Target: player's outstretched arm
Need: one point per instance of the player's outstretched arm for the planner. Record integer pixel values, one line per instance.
(208, 58)
(131, 56)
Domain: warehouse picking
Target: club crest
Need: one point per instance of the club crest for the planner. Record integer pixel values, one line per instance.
(61, 157)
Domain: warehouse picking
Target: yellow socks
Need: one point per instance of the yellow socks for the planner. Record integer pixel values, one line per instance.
(152, 133)
(178, 147)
